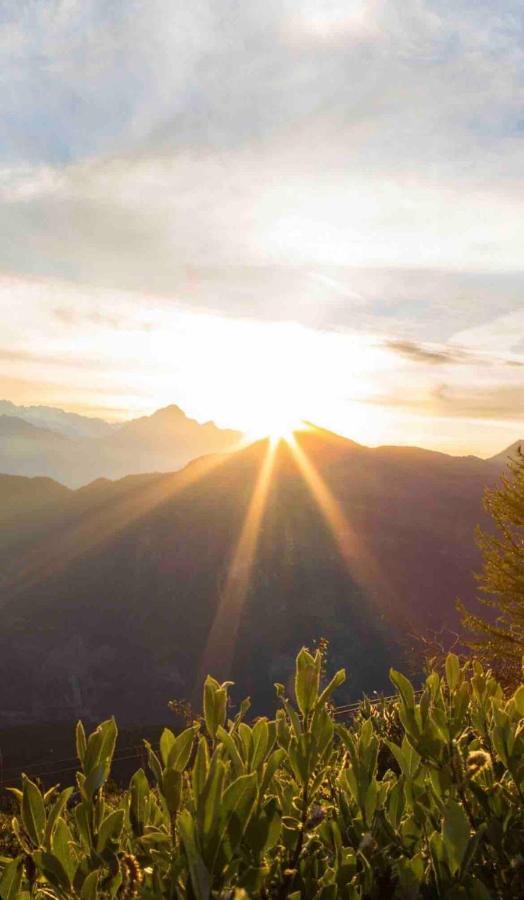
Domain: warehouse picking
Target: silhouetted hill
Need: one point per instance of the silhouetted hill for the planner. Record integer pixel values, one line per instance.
(501, 459)
(130, 590)
(76, 453)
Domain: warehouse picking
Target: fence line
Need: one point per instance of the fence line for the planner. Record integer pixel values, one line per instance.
(15, 771)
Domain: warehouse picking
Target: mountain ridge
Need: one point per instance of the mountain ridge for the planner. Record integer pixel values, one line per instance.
(57, 419)
(133, 585)
(164, 441)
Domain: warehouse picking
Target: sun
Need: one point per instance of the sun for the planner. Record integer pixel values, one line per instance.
(277, 425)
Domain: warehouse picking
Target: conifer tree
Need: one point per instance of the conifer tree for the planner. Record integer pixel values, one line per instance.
(498, 639)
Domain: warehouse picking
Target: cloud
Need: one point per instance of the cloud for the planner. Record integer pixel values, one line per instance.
(419, 353)
(450, 354)
(498, 403)
(499, 333)
(351, 166)
(141, 138)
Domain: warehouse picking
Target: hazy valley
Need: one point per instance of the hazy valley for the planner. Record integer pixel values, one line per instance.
(77, 449)
(116, 596)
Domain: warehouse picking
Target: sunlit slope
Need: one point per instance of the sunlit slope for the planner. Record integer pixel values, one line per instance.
(137, 586)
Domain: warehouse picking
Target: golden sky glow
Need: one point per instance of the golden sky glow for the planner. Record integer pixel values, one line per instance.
(112, 354)
(324, 222)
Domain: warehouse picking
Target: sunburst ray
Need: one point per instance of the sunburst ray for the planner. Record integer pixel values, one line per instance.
(218, 653)
(359, 561)
(53, 554)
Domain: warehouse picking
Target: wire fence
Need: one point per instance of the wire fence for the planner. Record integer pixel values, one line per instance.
(51, 768)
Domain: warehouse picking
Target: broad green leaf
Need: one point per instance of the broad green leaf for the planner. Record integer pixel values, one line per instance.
(236, 808)
(83, 822)
(62, 841)
(54, 813)
(200, 767)
(81, 742)
(109, 736)
(154, 762)
(52, 869)
(246, 741)
(455, 834)
(307, 680)
(260, 736)
(167, 740)
(33, 811)
(399, 756)
(263, 830)
(12, 879)
(171, 789)
(337, 680)
(200, 878)
(452, 667)
(89, 889)
(518, 699)
(270, 768)
(95, 780)
(100, 747)
(210, 800)
(139, 794)
(181, 750)
(215, 703)
(404, 687)
(234, 755)
(110, 829)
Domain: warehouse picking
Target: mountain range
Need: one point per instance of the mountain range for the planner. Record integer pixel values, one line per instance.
(120, 595)
(73, 449)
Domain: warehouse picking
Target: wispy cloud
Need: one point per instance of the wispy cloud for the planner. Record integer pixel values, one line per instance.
(424, 354)
(450, 354)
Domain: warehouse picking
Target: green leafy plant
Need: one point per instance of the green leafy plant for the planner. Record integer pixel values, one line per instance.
(421, 797)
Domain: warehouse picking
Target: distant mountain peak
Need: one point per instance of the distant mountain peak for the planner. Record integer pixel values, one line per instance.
(507, 454)
(52, 442)
(309, 429)
(58, 420)
(172, 409)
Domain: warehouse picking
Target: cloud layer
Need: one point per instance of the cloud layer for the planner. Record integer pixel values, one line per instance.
(353, 168)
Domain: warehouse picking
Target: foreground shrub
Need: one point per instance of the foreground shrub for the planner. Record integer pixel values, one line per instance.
(295, 807)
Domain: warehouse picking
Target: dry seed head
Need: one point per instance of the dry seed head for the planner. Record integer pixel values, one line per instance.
(478, 761)
(132, 877)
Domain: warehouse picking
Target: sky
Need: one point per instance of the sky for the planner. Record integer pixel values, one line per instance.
(302, 208)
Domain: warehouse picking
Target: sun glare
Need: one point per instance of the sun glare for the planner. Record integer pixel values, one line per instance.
(277, 425)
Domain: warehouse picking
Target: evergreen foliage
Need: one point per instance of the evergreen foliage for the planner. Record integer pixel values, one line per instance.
(499, 639)
(300, 806)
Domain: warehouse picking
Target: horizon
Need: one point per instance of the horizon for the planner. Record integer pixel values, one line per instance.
(335, 235)
(277, 435)
(262, 355)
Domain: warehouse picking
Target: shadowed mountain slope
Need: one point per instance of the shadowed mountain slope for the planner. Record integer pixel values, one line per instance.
(130, 590)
